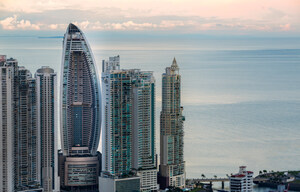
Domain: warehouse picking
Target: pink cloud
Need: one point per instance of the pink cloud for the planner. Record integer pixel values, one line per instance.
(285, 27)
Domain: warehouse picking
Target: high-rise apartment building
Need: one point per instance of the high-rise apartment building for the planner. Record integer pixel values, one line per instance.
(242, 181)
(79, 106)
(144, 150)
(26, 134)
(128, 147)
(7, 122)
(117, 150)
(172, 164)
(47, 117)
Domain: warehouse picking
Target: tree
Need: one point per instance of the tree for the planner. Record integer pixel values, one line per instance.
(174, 189)
(260, 172)
(203, 176)
(215, 176)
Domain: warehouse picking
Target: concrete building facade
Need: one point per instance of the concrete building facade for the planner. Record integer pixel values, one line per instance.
(47, 123)
(81, 168)
(130, 184)
(7, 122)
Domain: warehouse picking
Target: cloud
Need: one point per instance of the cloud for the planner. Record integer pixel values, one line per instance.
(12, 23)
(128, 25)
(25, 24)
(135, 26)
(53, 26)
(275, 14)
(178, 24)
(285, 27)
(9, 22)
(204, 8)
(82, 25)
(135, 15)
(172, 23)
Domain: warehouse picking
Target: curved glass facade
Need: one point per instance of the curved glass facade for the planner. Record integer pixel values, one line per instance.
(80, 94)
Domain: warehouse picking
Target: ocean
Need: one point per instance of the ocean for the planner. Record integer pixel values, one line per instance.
(241, 95)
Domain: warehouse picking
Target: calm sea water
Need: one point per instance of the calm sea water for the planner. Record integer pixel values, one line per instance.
(241, 96)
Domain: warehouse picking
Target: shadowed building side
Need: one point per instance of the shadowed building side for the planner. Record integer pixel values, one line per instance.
(27, 155)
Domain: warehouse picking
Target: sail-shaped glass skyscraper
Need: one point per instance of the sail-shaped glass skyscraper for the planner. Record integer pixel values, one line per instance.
(80, 94)
(80, 114)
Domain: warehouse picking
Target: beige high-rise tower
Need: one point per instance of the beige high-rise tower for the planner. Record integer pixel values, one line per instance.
(172, 164)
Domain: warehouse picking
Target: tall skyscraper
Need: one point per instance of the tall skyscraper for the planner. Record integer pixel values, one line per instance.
(172, 164)
(129, 130)
(46, 98)
(117, 138)
(80, 111)
(80, 94)
(7, 123)
(144, 150)
(26, 135)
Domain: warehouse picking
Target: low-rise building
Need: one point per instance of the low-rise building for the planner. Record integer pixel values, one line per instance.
(242, 181)
(81, 170)
(115, 184)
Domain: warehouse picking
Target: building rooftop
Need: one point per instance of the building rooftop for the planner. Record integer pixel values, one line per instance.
(238, 175)
(45, 69)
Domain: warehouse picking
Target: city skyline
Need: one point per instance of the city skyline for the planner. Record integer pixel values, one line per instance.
(82, 110)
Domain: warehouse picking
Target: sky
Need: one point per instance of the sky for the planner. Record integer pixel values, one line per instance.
(242, 17)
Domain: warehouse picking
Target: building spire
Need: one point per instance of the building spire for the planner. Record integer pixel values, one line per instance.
(174, 64)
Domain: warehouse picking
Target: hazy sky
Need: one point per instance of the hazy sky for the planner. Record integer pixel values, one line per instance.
(173, 16)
